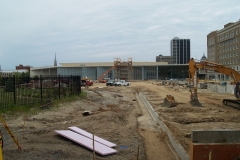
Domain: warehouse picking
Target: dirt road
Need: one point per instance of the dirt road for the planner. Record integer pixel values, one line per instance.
(119, 117)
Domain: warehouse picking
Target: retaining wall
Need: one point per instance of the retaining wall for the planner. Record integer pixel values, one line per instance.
(221, 88)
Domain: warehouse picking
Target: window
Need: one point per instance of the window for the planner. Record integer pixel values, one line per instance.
(236, 53)
(236, 46)
(230, 54)
(233, 54)
(237, 32)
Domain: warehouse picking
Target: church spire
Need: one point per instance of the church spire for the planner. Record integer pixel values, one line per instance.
(55, 61)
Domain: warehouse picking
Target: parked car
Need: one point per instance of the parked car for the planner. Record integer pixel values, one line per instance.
(122, 83)
(110, 82)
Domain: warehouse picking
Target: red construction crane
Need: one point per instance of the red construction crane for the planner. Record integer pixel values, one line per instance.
(100, 79)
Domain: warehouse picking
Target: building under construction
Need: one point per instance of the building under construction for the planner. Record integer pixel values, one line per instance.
(123, 69)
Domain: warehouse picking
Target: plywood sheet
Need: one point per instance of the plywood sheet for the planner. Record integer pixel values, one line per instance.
(89, 135)
(86, 142)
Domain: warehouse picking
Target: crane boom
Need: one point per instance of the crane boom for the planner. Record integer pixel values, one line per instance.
(103, 75)
(216, 68)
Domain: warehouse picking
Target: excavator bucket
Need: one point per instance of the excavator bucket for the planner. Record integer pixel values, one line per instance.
(169, 101)
(195, 103)
(194, 99)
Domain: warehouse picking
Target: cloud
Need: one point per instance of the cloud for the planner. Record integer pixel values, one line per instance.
(91, 31)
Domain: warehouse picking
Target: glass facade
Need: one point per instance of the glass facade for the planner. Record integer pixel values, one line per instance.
(150, 73)
(137, 73)
(178, 71)
(180, 50)
(68, 71)
(172, 72)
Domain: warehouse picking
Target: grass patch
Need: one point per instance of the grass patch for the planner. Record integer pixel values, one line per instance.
(34, 108)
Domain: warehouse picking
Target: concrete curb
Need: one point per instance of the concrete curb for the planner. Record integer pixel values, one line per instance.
(177, 146)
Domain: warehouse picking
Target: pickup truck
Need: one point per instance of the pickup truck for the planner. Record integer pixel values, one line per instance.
(122, 83)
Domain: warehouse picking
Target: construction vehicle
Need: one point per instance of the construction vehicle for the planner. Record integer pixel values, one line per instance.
(207, 65)
(101, 79)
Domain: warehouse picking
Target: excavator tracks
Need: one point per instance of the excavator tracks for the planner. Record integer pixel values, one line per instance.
(231, 103)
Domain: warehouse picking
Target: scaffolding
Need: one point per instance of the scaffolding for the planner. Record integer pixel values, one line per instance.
(123, 69)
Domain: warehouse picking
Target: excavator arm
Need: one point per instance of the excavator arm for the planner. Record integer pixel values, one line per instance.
(216, 68)
(194, 66)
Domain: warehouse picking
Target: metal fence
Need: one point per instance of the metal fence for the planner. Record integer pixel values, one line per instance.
(25, 90)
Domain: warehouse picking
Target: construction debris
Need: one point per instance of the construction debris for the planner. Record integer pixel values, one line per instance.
(87, 113)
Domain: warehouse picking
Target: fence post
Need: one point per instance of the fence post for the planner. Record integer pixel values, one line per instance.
(14, 89)
(41, 88)
(59, 86)
(71, 84)
(79, 86)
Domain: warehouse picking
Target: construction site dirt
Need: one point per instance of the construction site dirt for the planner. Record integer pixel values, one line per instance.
(119, 116)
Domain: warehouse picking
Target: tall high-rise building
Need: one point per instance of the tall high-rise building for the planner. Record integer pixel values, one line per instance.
(223, 46)
(180, 50)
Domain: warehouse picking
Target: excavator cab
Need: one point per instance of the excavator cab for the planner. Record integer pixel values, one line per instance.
(237, 90)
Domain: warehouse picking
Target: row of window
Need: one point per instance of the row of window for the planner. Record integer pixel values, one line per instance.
(230, 34)
(231, 61)
(228, 49)
(228, 55)
(227, 42)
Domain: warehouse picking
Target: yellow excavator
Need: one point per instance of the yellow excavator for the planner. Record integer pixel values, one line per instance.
(207, 65)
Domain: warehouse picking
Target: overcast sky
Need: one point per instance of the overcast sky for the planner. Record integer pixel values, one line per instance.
(32, 31)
